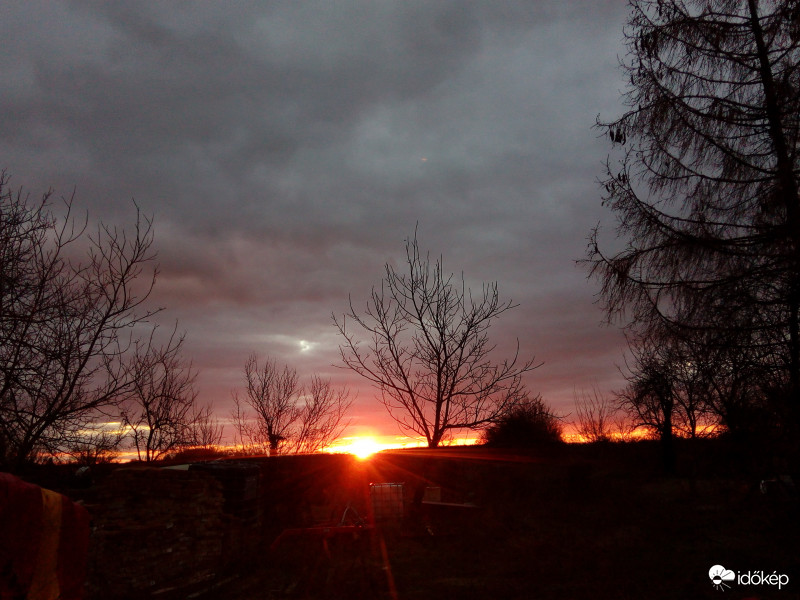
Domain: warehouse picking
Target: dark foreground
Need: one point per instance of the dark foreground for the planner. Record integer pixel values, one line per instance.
(578, 523)
(564, 523)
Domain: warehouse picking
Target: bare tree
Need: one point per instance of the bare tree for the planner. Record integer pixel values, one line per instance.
(99, 443)
(624, 427)
(428, 350)
(688, 368)
(205, 431)
(287, 419)
(322, 419)
(706, 190)
(247, 436)
(160, 409)
(735, 391)
(66, 323)
(650, 397)
(595, 414)
(671, 389)
(272, 393)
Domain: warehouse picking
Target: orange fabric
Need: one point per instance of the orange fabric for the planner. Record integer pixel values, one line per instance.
(73, 549)
(20, 518)
(44, 585)
(44, 541)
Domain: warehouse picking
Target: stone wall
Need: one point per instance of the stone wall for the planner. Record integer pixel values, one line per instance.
(156, 533)
(167, 533)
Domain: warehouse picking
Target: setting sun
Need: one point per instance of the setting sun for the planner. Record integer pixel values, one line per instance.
(365, 446)
(362, 447)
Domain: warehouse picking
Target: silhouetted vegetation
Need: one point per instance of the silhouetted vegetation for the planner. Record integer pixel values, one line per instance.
(70, 304)
(428, 350)
(529, 424)
(595, 416)
(191, 455)
(160, 408)
(81, 369)
(277, 415)
(706, 196)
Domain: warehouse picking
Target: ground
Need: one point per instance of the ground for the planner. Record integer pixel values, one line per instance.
(574, 522)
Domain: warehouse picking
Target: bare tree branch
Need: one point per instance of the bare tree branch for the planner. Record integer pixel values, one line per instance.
(594, 415)
(286, 419)
(205, 431)
(705, 192)
(322, 419)
(428, 350)
(161, 408)
(66, 323)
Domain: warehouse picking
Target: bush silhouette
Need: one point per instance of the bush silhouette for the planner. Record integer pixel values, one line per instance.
(529, 424)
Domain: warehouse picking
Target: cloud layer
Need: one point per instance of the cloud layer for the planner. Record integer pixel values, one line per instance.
(288, 149)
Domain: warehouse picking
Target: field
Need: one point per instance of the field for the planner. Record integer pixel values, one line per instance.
(573, 522)
(565, 522)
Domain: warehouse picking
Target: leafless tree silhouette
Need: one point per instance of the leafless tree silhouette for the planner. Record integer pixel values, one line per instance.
(594, 413)
(205, 431)
(322, 418)
(650, 397)
(66, 323)
(288, 419)
(428, 350)
(99, 443)
(272, 393)
(159, 411)
(706, 191)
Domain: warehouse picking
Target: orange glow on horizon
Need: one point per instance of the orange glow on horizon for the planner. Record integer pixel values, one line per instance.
(364, 446)
(361, 447)
(573, 437)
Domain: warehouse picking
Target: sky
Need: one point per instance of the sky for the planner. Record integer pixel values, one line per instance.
(287, 149)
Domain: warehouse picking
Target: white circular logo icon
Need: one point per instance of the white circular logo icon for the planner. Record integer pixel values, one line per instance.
(719, 575)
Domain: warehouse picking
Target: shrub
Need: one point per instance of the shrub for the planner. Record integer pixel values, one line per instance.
(530, 423)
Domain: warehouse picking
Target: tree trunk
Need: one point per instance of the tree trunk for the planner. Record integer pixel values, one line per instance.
(789, 194)
(667, 441)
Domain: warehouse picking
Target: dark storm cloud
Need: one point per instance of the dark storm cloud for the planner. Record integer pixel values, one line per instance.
(288, 148)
